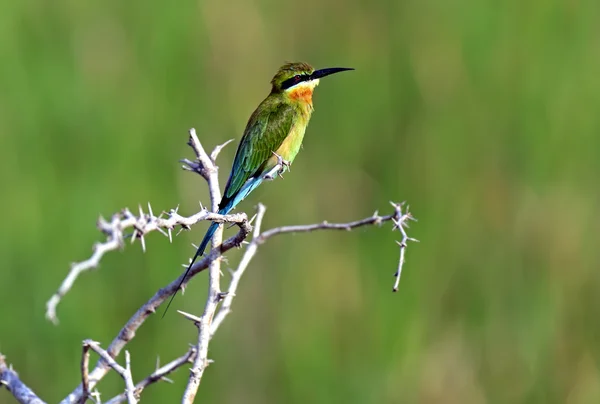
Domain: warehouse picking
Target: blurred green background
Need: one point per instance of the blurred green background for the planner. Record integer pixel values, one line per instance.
(483, 115)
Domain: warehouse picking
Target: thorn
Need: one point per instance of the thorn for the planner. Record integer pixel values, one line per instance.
(166, 379)
(143, 243)
(150, 210)
(141, 211)
(190, 317)
(376, 218)
(101, 221)
(161, 231)
(217, 150)
(170, 236)
(252, 218)
(134, 235)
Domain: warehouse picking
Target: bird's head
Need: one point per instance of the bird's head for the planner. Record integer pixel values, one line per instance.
(298, 79)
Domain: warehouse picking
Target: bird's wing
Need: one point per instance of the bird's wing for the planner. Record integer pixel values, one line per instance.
(266, 130)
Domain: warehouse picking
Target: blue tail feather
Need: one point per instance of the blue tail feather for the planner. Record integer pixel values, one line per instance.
(248, 187)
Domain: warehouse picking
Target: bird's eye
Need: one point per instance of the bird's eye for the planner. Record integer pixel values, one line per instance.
(297, 78)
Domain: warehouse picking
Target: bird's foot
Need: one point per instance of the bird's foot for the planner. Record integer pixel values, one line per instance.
(282, 165)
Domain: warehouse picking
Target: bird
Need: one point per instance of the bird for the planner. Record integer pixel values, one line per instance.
(271, 140)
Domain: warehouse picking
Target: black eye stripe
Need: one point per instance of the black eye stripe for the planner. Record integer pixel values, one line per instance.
(294, 80)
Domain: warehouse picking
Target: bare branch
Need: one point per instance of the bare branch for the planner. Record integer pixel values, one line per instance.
(401, 223)
(214, 288)
(142, 225)
(124, 372)
(85, 373)
(10, 379)
(158, 375)
(206, 167)
(127, 333)
(372, 220)
(399, 219)
(237, 274)
(213, 316)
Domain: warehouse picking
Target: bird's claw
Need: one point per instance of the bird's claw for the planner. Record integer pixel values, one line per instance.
(279, 168)
(282, 164)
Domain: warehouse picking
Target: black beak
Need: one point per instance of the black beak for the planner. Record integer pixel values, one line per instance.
(317, 74)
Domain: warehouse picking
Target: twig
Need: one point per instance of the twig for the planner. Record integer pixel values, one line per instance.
(85, 372)
(236, 275)
(127, 333)
(10, 379)
(142, 225)
(399, 219)
(211, 319)
(124, 372)
(401, 223)
(159, 374)
(214, 289)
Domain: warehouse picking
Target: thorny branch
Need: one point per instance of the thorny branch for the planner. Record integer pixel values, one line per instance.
(138, 226)
(236, 275)
(160, 374)
(214, 276)
(124, 372)
(10, 379)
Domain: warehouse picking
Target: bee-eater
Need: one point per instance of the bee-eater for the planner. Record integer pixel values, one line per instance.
(272, 137)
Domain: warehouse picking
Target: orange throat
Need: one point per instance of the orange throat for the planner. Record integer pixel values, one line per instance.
(302, 94)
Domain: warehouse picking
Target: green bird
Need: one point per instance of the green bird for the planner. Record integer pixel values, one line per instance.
(272, 137)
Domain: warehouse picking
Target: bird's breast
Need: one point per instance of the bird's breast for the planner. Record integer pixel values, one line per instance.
(290, 146)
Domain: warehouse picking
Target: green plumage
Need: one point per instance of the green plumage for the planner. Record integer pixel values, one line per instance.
(266, 130)
(274, 131)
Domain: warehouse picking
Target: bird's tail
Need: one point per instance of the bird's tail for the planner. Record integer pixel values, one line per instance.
(229, 205)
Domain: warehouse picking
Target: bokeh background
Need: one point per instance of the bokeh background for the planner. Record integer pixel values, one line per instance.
(483, 115)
